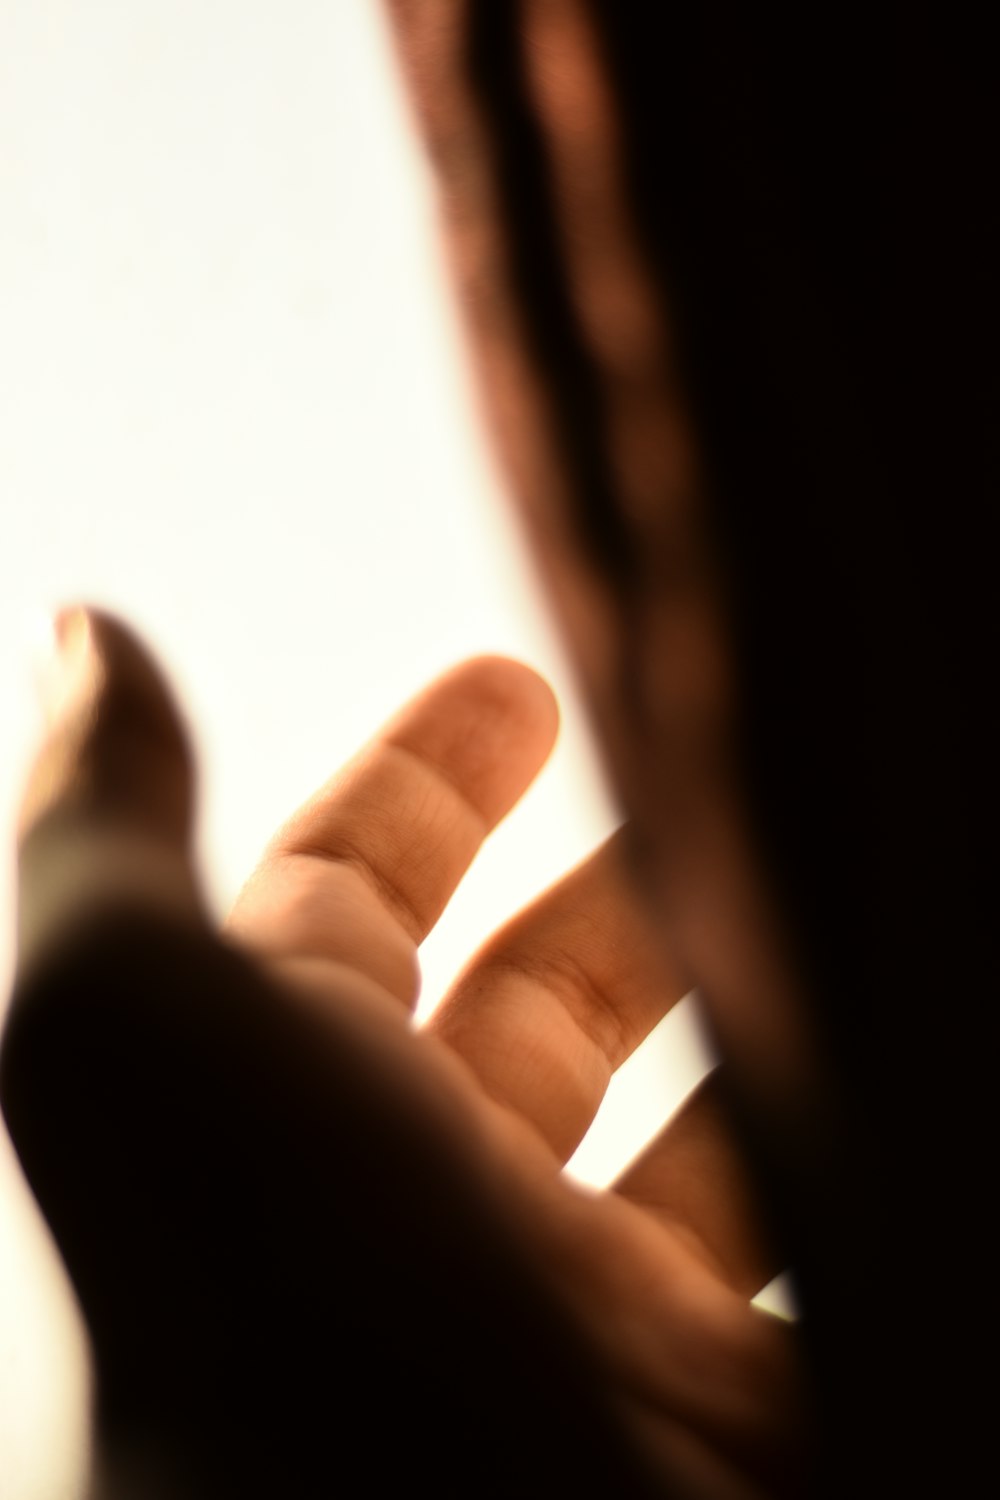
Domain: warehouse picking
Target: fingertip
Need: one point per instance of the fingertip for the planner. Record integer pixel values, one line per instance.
(505, 686)
(107, 811)
(115, 746)
(529, 685)
(489, 724)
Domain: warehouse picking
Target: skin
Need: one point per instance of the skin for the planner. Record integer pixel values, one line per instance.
(655, 1274)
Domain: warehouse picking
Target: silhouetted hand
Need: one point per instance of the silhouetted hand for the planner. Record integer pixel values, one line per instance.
(167, 1095)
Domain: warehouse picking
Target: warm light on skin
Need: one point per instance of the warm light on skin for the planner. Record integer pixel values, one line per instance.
(237, 411)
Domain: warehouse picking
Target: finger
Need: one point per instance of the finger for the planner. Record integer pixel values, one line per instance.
(363, 871)
(693, 1178)
(108, 807)
(559, 998)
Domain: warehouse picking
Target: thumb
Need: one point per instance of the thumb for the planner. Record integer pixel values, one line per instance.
(117, 1038)
(288, 1268)
(107, 813)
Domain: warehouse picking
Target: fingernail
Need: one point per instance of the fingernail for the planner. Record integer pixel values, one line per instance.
(67, 664)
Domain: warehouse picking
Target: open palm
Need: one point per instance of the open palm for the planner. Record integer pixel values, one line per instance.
(255, 1123)
(659, 1270)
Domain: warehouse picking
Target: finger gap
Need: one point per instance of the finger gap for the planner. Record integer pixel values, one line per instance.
(648, 1088)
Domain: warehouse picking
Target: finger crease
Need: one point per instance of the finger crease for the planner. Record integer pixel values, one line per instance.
(440, 775)
(587, 1004)
(351, 859)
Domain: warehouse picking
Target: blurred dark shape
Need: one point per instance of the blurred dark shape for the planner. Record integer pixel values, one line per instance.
(801, 206)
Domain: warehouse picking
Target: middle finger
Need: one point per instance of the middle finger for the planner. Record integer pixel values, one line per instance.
(559, 998)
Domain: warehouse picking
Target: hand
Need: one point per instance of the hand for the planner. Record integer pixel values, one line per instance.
(649, 1281)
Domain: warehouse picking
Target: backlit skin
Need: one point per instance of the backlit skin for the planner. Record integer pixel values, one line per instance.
(733, 331)
(501, 1083)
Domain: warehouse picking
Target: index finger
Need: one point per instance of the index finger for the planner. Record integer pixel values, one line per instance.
(363, 870)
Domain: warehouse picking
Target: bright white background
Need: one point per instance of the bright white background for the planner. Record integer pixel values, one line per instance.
(234, 407)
